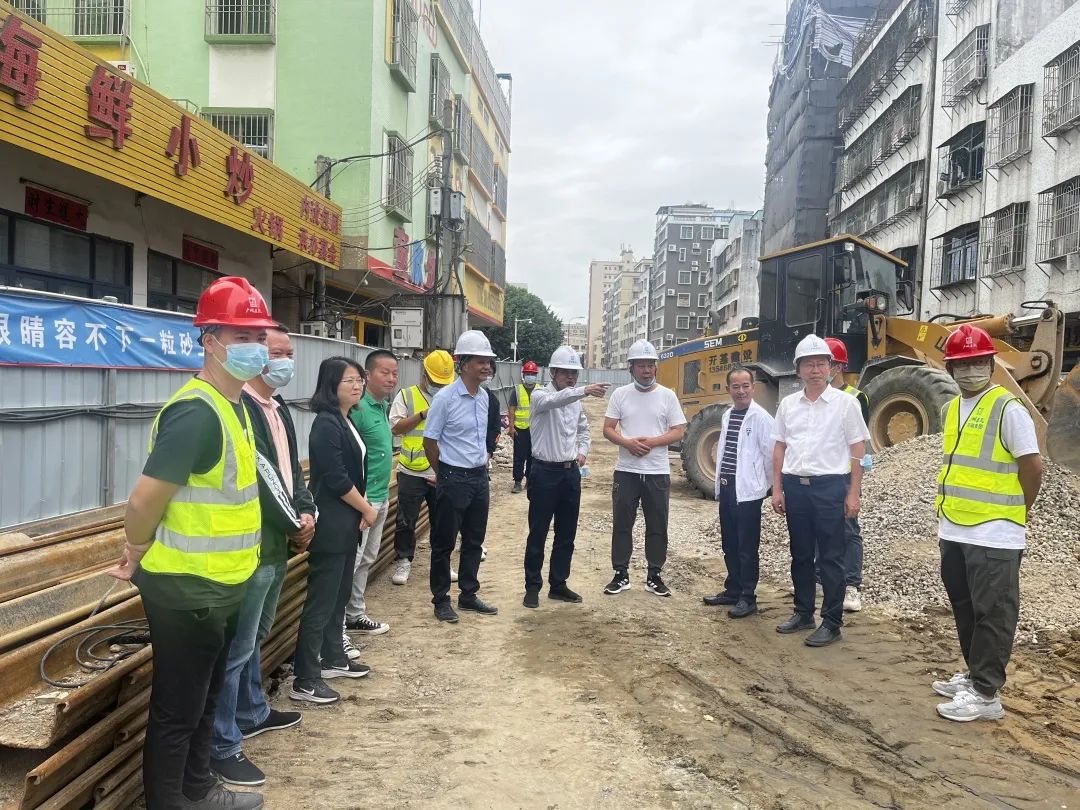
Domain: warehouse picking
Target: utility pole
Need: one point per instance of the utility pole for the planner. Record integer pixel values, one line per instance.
(323, 165)
(515, 343)
(448, 208)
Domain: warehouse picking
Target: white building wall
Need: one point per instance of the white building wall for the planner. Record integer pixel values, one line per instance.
(243, 76)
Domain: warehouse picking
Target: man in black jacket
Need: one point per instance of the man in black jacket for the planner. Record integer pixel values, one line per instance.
(242, 710)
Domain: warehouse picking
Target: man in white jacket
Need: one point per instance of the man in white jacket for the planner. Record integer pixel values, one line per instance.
(743, 472)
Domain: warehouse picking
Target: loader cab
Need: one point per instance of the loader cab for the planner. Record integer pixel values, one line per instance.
(826, 288)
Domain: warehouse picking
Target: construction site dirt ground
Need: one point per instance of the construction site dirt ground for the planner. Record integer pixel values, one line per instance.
(638, 701)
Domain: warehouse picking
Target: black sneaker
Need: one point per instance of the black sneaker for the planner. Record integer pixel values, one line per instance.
(350, 669)
(477, 605)
(312, 690)
(796, 623)
(367, 626)
(444, 612)
(563, 594)
(619, 583)
(744, 608)
(238, 770)
(531, 600)
(517, 487)
(275, 721)
(722, 598)
(220, 798)
(653, 584)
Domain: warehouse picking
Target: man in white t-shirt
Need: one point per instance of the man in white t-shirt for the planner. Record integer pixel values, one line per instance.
(990, 476)
(642, 418)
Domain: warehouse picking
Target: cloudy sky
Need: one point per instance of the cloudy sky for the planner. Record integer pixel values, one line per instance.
(619, 107)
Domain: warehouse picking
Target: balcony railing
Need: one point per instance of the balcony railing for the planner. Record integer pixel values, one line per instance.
(399, 177)
(482, 161)
(463, 129)
(1061, 92)
(500, 189)
(960, 160)
(478, 241)
(1059, 221)
(899, 195)
(1008, 126)
(1004, 234)
(965, 66)
(498, 265)
(92, 19)
(441, 98)
(459, 16)
(403, 44)
(896, 126)
(240, 20)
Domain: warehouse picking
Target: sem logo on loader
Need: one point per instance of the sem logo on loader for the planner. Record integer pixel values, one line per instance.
(702, 344)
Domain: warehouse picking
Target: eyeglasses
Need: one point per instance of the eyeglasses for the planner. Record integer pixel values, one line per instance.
(352, 380)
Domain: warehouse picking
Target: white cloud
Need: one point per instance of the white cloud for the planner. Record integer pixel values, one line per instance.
(621, 106)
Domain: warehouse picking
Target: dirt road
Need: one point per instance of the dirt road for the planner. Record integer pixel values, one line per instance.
(637, 701)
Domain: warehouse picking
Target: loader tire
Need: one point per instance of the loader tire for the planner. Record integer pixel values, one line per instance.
(699, 447)
(906, 402)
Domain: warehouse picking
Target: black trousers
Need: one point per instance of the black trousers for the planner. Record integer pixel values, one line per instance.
(740, 537)
(652, 492)
(412, 492)
(190, 651)
(461, 505)
(522, 455)
(815, 519)
(554, 493)
(983, 585)
(329, 586)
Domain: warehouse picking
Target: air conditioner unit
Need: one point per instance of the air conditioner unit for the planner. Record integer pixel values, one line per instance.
(672, 248)
(668, 338)
(914, 199)
(697, 245)
(942, 188)
(125, 67)
(671, 293)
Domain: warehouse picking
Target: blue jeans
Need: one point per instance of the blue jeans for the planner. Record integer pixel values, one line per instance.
(241, 703)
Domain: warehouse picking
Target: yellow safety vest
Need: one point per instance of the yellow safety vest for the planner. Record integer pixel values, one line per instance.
(412, 456)
(979, 479)
(521, 410)
(210, 528)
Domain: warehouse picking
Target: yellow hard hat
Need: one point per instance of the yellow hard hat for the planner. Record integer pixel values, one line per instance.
(439, 366)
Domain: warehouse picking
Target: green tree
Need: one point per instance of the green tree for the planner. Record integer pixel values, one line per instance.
(536, 340)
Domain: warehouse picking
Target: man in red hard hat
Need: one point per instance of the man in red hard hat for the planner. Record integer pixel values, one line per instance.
(192, 526)
(519, 409)
(990, 476)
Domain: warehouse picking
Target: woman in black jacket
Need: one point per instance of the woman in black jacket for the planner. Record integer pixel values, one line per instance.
(338, 484)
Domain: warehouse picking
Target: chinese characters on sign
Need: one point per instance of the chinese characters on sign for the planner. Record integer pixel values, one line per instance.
(196, 252)
(268, 223)
(317, 247)
(45, 205)
(109, 106)
(241, 176)
(319, 215)
(724, 360)
(19, 72)
(183, 146)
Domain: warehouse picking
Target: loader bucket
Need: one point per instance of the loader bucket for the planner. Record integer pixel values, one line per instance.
(1063, 430)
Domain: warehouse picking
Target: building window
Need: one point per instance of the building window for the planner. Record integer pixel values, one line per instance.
(702, 323)
(686, 231)
(722, 232)
(31, 8)
(882, 139)
(683, 300)
(686, 277)
(965, 66)
(1004, 235)
(441, 100)
(240, 19)
(956, 256)
(1008, 126)
(703, 299)
(399, 176)
(682, 254)
(255, 130)
(39, 256)
(174, 284)
(1061, 92)
(659, 277)
(403, 43)
(802, 289)
(462, 129)
(708, 233)
(1059, 220)
(960, 160)
(100, 18)
(682, 322)
(703, 277)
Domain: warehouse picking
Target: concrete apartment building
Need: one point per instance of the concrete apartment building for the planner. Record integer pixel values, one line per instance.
(637, 317)
(576, 336)
(601, 273)
(680, 291)
(735, 275)
(617, 331)
(799, 160)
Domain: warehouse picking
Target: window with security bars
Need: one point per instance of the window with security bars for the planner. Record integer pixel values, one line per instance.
(254, 130)
(1059, 221)
(100, 18)
(462, 129)
(240, 18)
(960, 160)
(898, 125)
(965, 66)
(403, 43)
(1004, 240)
(440, 94)
(1061, 92)
(953, 7)
(31, 8)
(1008, 126)
(956, 257)
(399, 176)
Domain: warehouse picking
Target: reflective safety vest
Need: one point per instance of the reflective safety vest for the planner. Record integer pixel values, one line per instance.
(210, 528)
(979, 479)
(412, 456)
(521, 410)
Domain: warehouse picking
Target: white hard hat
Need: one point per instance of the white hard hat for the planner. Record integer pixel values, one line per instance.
(642, 350)
(565, 357)
(475, 343)
(812, 346)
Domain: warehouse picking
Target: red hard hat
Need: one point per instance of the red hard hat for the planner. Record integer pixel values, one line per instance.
(838, 349)
(529, 367)
(232, 301)
(969, 342)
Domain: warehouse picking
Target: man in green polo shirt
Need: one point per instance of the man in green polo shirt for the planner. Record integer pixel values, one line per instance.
(371, 418)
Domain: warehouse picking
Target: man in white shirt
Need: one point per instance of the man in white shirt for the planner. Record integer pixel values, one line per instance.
(990, 477)
(642, 418)
(820, 440)
(560, 440)
(743, 477)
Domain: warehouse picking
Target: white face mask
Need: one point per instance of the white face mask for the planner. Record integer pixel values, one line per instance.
(973, 377)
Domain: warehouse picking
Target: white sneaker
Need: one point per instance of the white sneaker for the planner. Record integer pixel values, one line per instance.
(351, 652)
(960, 682)
(453, 575)
(969, 705)
(483, 553)
(401, 571)
(852, 601)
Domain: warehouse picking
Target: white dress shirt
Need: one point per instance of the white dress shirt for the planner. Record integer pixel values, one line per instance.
(819, 433)
(558, 424)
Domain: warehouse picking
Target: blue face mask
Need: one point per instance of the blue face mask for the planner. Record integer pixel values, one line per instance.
(529, 379)
(280, 372)
(245, 361)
